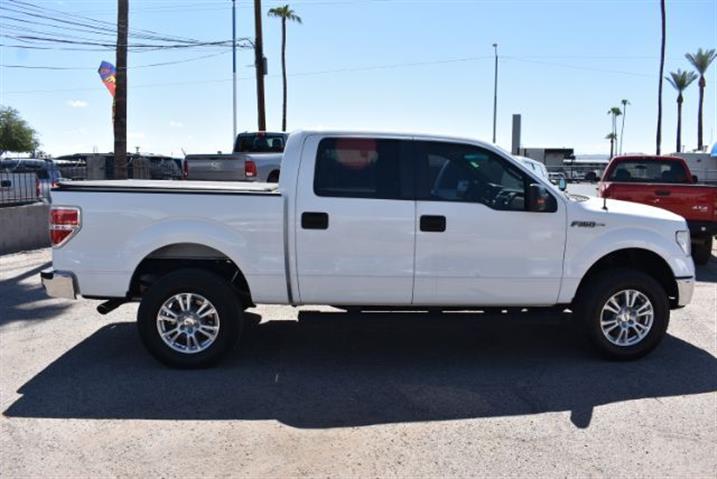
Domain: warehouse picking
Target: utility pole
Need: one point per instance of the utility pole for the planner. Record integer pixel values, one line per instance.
(495, 91)
(120, 101)
(259, 62)
(234, 69)
(658, 136)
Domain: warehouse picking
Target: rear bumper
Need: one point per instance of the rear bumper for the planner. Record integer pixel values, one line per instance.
(59, 284)
(685, 288)
(702, 228)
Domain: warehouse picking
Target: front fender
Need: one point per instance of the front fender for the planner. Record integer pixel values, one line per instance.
(583, 250)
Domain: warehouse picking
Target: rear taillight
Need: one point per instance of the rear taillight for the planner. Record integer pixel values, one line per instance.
(64, 223)
(185, 169)
(249, 169)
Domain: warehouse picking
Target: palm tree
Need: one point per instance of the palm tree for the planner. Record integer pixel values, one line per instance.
(622, 128)
(285, 13)
(614, 112)
(701, 61)
(658, 139)
(680, 80)
(612, 137)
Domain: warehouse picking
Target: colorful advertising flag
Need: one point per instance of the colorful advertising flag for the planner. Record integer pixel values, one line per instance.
(107, 74)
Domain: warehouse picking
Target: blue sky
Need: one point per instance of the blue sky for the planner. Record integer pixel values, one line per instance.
(402, 65)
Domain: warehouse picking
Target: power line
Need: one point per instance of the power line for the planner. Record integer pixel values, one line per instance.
(94, 23)
(575, 67)
(57, 68)
(22, 12)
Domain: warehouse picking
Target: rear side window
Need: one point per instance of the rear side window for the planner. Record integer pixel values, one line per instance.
(648, 171)
(362, 168)
(260, 143)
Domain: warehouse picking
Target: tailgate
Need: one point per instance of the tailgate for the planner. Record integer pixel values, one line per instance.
(215, 167)
(692, 202)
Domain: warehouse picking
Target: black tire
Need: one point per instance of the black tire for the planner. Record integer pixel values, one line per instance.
(198, 282)
(273, 177)
(594, 295)
(702, 251)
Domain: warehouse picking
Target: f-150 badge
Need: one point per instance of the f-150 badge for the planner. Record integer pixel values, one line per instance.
(585, 224)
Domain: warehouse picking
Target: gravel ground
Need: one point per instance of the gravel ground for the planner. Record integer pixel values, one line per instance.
(316, 392)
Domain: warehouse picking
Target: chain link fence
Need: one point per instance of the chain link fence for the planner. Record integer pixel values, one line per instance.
(29, 180)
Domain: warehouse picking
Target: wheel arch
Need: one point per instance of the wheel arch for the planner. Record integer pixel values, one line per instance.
(639, 259)
(273, 176)
(172, 257)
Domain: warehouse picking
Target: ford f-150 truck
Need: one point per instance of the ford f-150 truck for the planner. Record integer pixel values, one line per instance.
(256, 157)
(361, 219)
(666, 182)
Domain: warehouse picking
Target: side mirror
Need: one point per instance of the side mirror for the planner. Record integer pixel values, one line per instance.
(562, 184)
(694, 179)
(540, 200)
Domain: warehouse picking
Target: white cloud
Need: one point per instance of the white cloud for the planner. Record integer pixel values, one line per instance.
(77, 103)
(176, 124)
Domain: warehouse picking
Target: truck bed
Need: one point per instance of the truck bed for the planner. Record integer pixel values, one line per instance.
(125, 222)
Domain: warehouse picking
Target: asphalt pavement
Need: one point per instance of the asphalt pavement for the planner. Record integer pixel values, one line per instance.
(315, 391)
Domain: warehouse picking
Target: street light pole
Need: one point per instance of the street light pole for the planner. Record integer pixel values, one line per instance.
(495, 90)
(234, 69)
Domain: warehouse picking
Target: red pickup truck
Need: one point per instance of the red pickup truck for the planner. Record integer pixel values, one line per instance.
(666, 182)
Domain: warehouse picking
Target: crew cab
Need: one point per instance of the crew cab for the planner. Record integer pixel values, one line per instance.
(367, 219)
(666, 182)
(256, 157)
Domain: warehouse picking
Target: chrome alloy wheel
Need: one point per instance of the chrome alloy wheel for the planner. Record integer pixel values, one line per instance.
(627, 317)
(188, 323)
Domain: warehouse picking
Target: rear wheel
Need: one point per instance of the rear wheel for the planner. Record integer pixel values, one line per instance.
(624, 312)
(702, 251)
(189, 318)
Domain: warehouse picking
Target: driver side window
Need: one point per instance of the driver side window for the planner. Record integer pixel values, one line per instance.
(465, 173)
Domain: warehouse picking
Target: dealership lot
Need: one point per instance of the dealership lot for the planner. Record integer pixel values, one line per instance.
(316, 391)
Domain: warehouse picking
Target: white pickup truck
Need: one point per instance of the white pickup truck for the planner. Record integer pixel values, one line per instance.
(362, 219)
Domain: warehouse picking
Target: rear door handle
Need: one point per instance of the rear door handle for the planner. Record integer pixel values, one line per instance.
(662, 193)
(431, 223)
(311, 220)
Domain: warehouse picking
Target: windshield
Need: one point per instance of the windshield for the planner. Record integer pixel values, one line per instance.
(260, 143)
(648, 171)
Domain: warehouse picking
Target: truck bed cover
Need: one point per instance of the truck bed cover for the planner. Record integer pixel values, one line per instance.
(170, 187)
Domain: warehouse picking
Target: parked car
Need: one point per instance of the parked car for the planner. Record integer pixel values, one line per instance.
(666, 182)
(256, 157)
(17, 188)
(160, 167)
(45, 172)
(367, 220)
(557, 177)
(536, 166)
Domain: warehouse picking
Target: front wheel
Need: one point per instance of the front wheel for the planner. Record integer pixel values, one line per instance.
(189, 318)
(624, 312)
(702, 251)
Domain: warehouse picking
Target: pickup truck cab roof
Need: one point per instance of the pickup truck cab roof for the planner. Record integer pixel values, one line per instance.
(655, 169)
